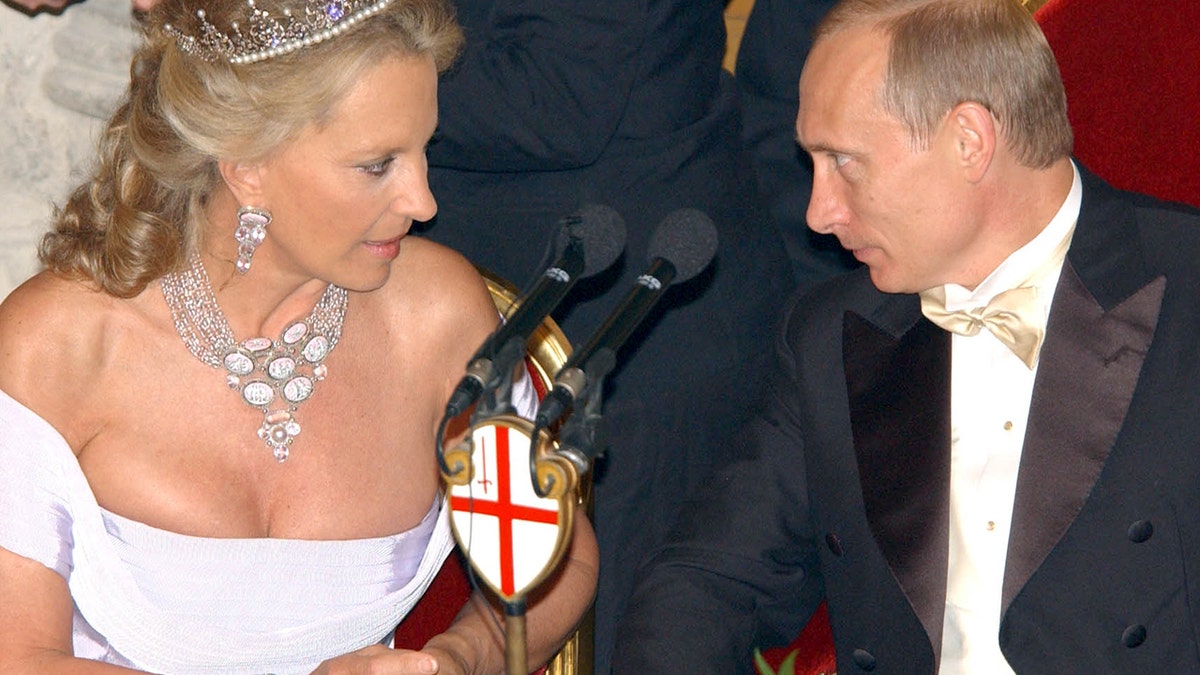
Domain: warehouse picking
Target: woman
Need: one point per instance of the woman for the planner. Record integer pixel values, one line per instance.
(247, 223)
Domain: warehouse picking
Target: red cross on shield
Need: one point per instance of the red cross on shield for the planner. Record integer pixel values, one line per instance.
(512, 537)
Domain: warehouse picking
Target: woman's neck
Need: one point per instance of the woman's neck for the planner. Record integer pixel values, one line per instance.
(268, 297)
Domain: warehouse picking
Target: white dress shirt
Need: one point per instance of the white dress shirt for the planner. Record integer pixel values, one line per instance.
(990, 391)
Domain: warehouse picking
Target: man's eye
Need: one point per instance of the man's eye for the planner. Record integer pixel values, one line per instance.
(841, 160)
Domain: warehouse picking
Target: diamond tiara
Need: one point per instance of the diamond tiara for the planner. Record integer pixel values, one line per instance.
(266, 36)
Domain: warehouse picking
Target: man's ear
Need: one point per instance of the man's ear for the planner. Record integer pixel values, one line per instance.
(244, 180)
(974, 132)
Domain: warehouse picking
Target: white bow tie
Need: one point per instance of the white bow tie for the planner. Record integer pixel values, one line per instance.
(1014, 317)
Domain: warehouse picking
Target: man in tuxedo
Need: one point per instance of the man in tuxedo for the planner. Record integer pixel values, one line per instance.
(981, 448)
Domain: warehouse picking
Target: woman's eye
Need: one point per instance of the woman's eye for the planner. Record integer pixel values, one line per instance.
(378, 168)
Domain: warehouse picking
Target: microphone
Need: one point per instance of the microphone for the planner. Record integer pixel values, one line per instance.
(680, 248)
(589, 241)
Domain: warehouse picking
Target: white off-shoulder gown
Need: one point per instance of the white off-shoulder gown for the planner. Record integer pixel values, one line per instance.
(163, 602)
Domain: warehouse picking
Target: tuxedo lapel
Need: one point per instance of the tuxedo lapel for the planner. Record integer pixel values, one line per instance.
(898, 383)
(1090, 364)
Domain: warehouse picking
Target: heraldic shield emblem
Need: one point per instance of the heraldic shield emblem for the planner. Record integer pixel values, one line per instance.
(513, 538)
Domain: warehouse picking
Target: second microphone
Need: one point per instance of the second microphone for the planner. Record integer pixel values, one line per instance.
(680, 248)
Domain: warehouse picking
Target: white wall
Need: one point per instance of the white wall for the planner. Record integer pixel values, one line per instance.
(60, 77)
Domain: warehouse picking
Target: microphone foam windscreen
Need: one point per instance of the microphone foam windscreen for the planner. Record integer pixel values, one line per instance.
(687, 239)
(600, 229)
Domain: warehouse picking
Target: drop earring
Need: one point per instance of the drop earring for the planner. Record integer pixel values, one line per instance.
(250, 232)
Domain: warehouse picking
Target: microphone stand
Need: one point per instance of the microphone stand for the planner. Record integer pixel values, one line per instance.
(495, 401)
(515, 658)
(556, 477)
(580, 436)
(497, 395)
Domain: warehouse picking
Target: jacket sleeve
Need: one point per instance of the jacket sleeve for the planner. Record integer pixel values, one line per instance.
(741, 569)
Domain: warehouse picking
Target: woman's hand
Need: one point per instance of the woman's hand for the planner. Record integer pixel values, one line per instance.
(380, 660)
(32, 7)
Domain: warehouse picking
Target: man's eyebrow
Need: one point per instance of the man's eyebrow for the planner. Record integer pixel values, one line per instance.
(817, 147)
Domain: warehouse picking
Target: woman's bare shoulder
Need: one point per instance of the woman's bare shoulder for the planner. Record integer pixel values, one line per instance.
(426, 257)
(46, 308)
(51, 327)
(438, 302)
(443, 282)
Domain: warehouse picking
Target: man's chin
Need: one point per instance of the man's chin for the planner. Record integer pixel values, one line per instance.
(887, 284)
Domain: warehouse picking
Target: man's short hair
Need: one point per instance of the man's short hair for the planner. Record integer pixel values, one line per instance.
(946, 52)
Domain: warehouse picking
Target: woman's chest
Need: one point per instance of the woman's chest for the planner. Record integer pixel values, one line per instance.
(196, 457)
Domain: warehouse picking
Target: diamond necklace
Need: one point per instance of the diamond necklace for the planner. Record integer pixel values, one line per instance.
(274, 376)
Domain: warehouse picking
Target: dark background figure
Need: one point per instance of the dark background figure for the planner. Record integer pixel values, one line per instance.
(623, 103)
(769, 59)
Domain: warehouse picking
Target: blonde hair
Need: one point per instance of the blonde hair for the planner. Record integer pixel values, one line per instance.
(947, 52)
(141, 213)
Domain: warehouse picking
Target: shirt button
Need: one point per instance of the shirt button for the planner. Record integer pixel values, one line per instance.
(864, 659)
(834, 544)
(991, 525)
(1008, 426)
(1140, 531)
(1133, 636)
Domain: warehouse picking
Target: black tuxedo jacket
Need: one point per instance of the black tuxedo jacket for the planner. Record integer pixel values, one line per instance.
(844, 490)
